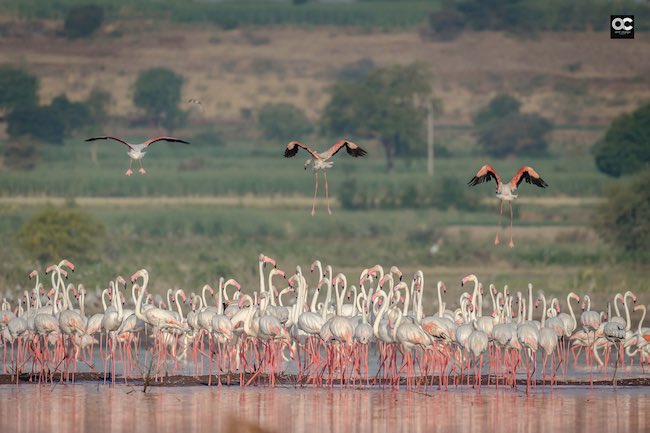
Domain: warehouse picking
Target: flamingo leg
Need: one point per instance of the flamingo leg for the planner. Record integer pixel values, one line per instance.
(313, 206)
(327, 196)
(511, 244)
(129, 172)
(142, 170)
(496, 239)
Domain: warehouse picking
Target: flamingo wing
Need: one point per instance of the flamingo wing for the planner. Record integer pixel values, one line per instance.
(292, 150)
(170, 139)
(108, 137)
(529, 175)
(350, 147)
(485, 174)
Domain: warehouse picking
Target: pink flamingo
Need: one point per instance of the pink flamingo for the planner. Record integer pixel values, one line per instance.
(506, 191)
(321, 161)
(137, 150)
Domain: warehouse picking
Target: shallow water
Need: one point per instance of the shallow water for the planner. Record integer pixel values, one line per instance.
(98, 408)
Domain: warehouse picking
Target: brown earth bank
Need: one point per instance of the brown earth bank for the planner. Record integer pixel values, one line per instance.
(293, 380)
(572, 78)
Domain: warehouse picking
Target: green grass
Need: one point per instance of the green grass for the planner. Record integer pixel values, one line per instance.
(260, 169)
(232, 14)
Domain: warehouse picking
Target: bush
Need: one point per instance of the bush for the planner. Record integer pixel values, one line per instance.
(82, 21)
(625, 148)
(283, 121)
(446, 24)
(158, 92)
(624, 219)
(55, 232)
(503, 131)
(17, 88)
(20, 154)
(444, 194)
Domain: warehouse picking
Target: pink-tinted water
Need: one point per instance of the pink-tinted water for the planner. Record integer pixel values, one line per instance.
(92, 408)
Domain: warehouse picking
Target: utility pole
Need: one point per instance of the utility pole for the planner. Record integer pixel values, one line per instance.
(430, 138)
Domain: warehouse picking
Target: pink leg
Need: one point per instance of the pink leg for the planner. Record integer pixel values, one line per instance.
(129, 172)
(496, 239)
(142, 170)
(313, 206)
(511, 244)
(327, 196)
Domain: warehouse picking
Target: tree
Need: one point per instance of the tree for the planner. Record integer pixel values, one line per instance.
(624, 219)
(17, 89)
(54, 233)
(502, 130)
(74, 115)
(43, 123)
(83, 21)
(383, 106)
(283, 121)
(625, 148)
(158, 92)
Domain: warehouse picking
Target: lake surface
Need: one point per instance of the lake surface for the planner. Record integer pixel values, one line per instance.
(99, 408)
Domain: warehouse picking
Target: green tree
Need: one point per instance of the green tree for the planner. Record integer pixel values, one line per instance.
(623, 220)
(283, 121)
(43, 123)
(54, 233)
(17, 89)
(502, 130)
(74, 115)
(82, 21)
(625, 148)
(382, 106)
(158, 92)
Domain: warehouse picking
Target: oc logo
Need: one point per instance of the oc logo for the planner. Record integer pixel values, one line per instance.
(622, 23)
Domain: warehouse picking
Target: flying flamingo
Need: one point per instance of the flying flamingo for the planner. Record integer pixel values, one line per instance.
(506, 191)
(321, 161)
(137, 151)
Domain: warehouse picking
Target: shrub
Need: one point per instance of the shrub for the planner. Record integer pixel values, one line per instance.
(283, 121)
(55, 232)
(20, 154)
(625, 148)
(74, 115)
(82, 21)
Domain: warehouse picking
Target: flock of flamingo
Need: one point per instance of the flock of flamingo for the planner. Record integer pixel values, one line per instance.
(315, 324)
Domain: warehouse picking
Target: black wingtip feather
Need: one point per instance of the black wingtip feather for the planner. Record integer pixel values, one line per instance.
(356, 152)
(290, 152)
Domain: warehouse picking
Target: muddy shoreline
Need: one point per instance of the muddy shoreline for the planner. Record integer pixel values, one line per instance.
(292, 380)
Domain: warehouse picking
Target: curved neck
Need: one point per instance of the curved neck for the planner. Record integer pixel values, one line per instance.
(628, 322)
(138, 304)
(570, 307)
(543, 321)
(441, 310)
(384, 306)
(314, 300)
(616, 298)
(82, 302)
(178, 304)
(205, 302)
(105, 292)
(271, 288)
(398, 321)
(641, 321)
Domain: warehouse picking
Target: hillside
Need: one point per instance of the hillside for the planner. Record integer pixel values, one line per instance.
(573, 78)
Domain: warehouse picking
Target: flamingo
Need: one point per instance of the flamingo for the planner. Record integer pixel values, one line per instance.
(506, 191)
(321, 161)
(137, 150)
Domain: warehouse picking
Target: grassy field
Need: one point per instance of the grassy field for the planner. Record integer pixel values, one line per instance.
(188, 227)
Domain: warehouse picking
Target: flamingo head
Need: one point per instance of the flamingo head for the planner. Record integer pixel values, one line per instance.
(33, 274)
(266, 259)
(68, 263)
(466, 279)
